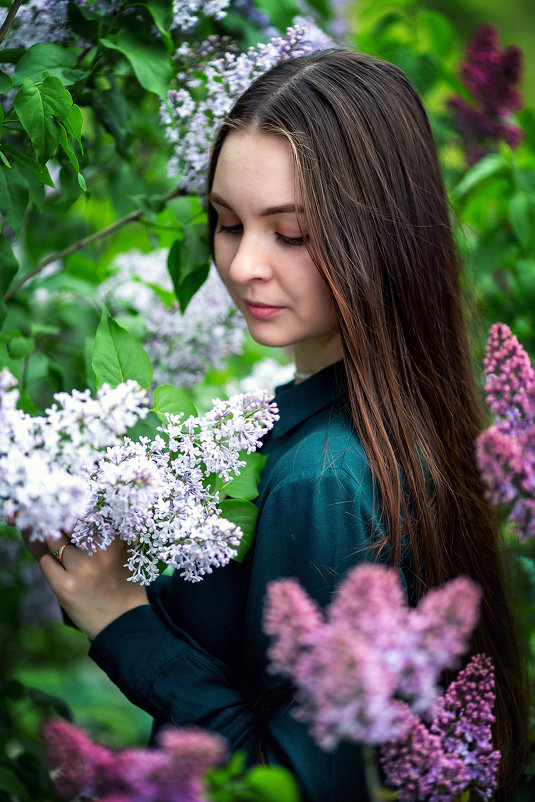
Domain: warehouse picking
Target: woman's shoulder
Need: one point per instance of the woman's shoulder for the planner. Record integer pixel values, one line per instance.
(326, 446)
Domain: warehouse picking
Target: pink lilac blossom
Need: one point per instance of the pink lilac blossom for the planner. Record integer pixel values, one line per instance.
(182, 346)
(194, 111)
(505, 452)
(174, 771)
(455, 753)
(355, 667)
(492, 77)
(152, 493)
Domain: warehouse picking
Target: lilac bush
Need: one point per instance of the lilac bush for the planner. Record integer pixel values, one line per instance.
(191, 117)
(48, 21)
(174, 772)
(182, 346)
(492, 77)
(506, 451)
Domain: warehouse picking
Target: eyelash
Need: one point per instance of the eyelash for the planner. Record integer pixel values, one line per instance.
(293, 242)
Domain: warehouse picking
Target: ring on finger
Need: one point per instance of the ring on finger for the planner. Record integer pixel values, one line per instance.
(58, 554)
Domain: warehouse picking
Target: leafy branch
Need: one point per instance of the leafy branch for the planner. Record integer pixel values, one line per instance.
(131, 217)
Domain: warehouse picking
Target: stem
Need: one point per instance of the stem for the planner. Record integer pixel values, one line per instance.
(131, 217)
(373, 781)
(10, 16)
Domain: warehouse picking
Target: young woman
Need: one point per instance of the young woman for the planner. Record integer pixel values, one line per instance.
(331, 230)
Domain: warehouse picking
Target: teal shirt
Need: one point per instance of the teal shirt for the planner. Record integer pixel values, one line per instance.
(197, 654)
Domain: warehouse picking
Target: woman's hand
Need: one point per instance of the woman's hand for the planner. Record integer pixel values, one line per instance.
(93, 590)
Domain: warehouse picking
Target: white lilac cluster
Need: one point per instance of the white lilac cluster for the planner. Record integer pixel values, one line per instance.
(153, 493)
(182, 347)
(186, 12)
(73, 469)
(45, 460)
(47, 20)
(191, 120)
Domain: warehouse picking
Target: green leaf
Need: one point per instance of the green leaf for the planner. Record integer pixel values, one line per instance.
(56, 96)
(244, 514)
(20, 346)
(117, 356)
(8, 270)
(10, 783)
(13, 196)
(488, 166)
(67, 147)
(114, 114)
(56, 60)
(6, 82)
(73, 123)
(159, 11)
(37, 120)
(171, 399)
(188, 263)
(148, 59)
(520, 218)
(245, 486)
(3, 158)
(273, 784)
(40, 171)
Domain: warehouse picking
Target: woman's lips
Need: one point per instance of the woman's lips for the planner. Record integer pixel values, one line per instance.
(261, 311)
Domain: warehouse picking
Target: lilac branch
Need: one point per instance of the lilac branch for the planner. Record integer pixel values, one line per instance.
(10, 17)
(131, 217)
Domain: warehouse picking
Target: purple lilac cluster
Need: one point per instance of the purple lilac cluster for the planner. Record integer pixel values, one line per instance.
(454, 754)
(174, 771)
(365, 668)
(492, 76)
(181, 347)
(186, 12)
(44, 460)
(505, 452)
(154, 495)
(191, 119)
(47, 20)
(73, 469)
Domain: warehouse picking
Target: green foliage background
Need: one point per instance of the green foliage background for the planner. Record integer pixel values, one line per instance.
(83, 177)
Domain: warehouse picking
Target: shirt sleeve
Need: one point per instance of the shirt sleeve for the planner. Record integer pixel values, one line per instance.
(309, 527)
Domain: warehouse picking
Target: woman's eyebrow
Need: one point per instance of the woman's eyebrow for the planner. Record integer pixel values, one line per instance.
(283, 208)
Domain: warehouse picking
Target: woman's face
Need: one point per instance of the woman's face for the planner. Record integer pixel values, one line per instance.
(260, 250)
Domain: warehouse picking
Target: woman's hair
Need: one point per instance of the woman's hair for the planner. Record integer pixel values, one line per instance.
(369, 179)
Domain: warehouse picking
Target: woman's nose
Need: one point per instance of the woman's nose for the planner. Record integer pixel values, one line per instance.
(251, 261)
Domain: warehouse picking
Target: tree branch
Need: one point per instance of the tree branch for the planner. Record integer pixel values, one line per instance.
(10, 16)
(131, 217)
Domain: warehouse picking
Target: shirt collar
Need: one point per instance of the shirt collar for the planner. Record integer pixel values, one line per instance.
(297, 402)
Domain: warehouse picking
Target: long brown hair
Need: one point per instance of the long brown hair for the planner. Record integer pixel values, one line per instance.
(380, 234)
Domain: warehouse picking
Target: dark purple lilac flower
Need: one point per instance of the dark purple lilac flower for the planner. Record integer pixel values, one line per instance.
(492, 77)
(454, 754)
(506, 451)
(173, 772)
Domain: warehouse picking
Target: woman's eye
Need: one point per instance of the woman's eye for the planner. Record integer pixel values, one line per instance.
(291, 240)
(235, 229)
